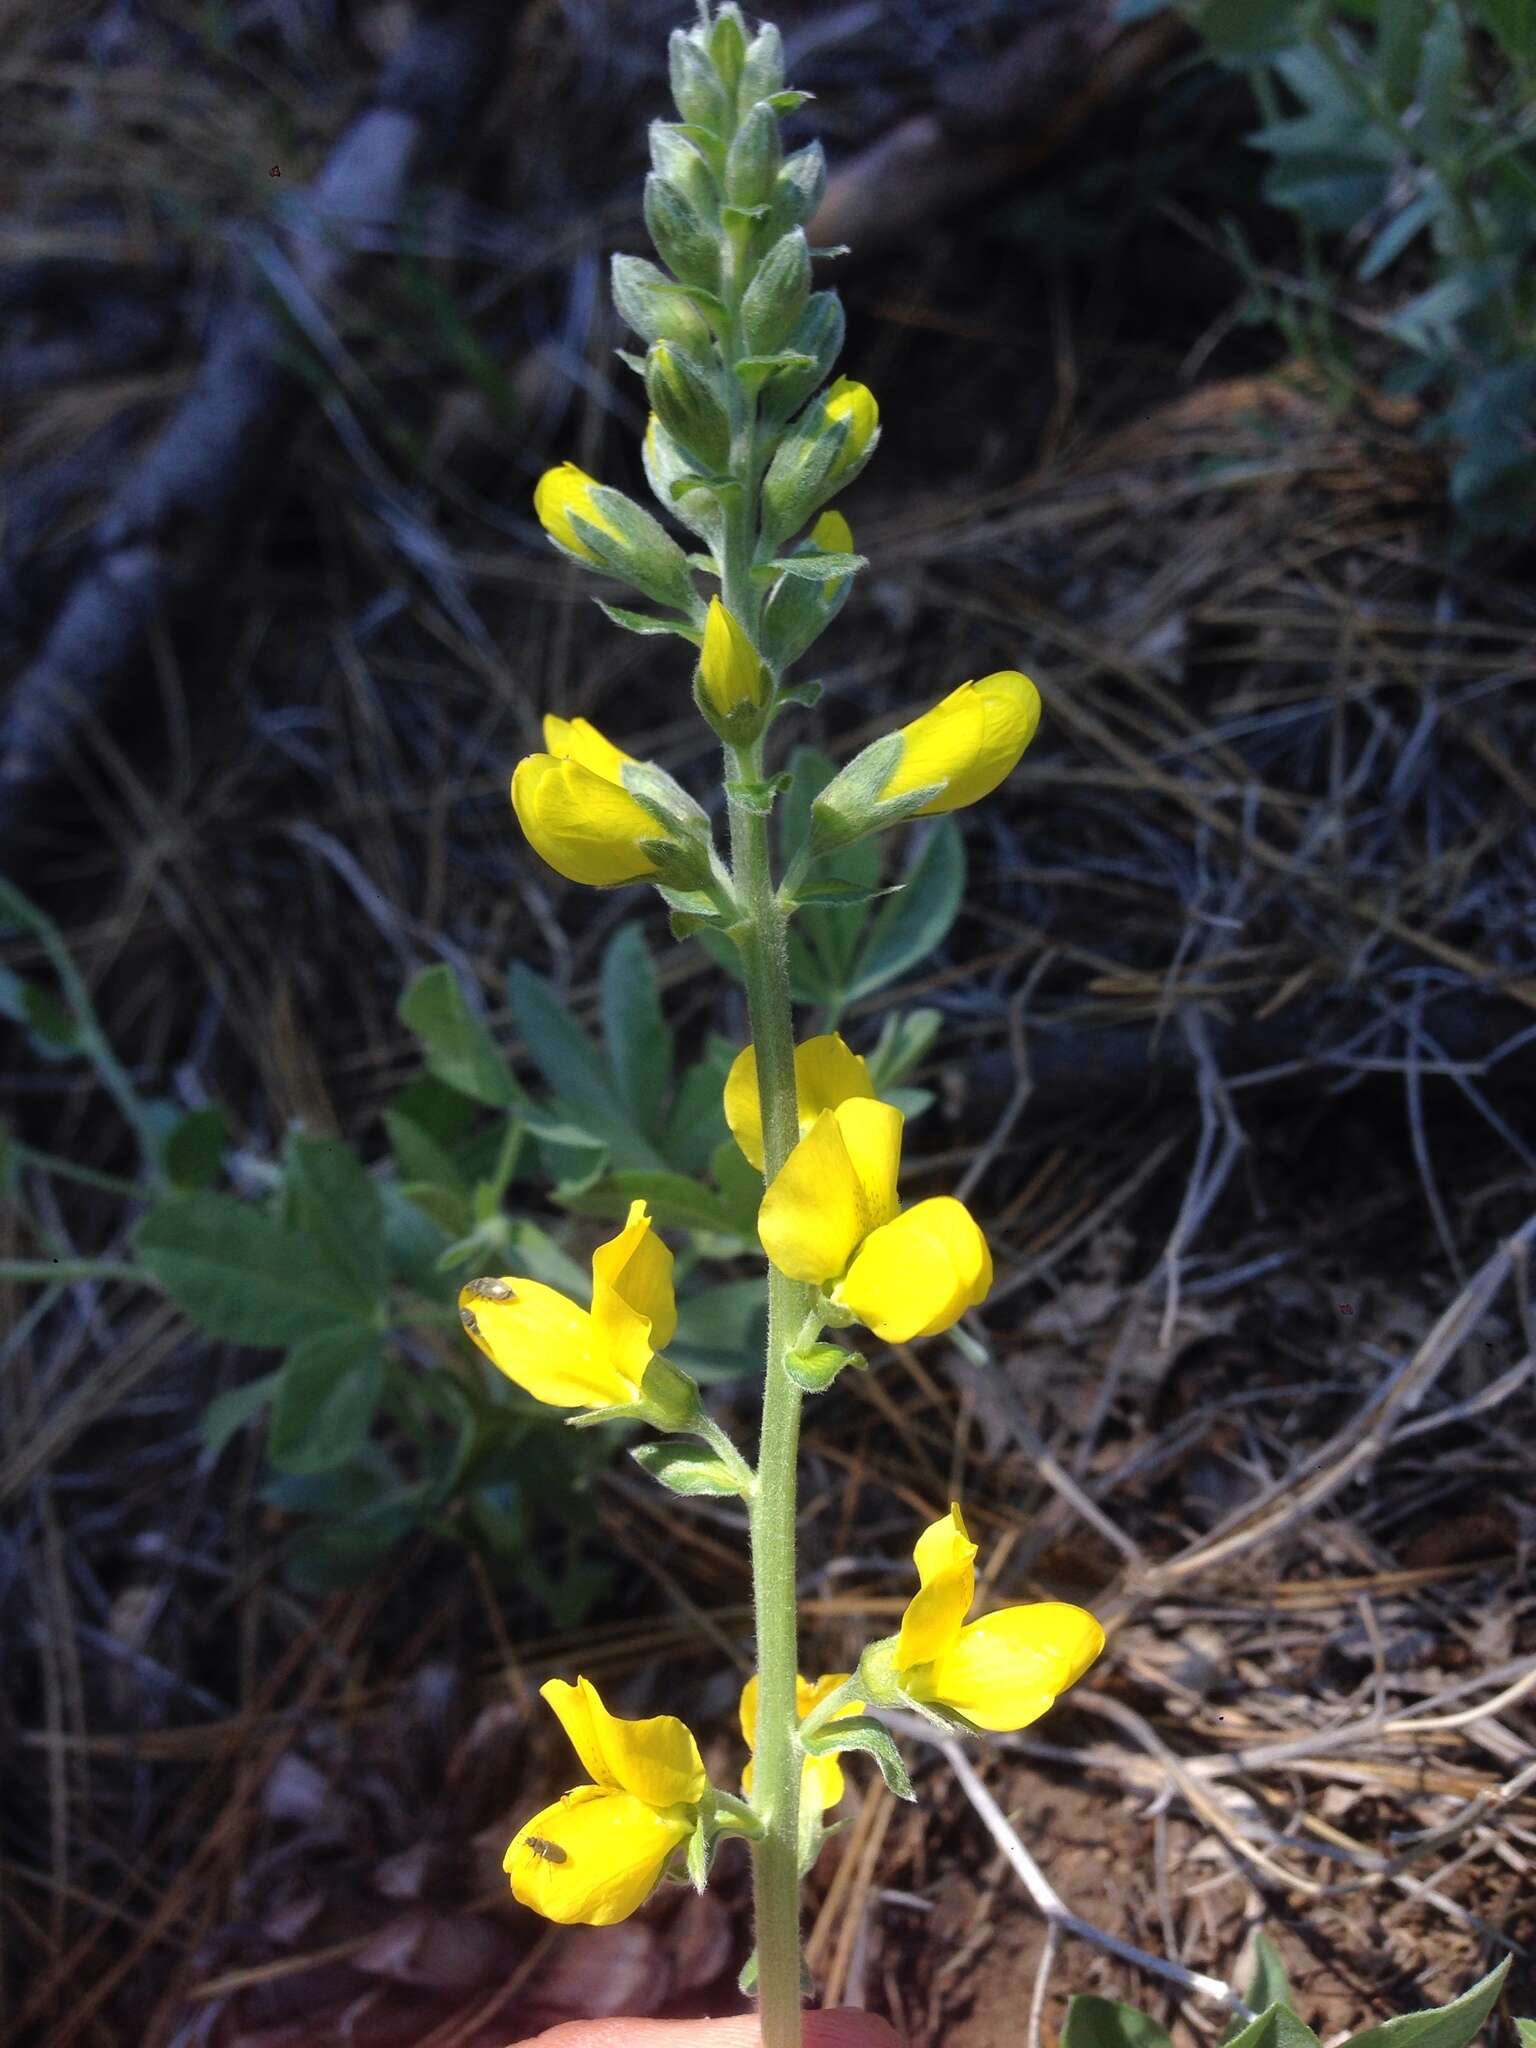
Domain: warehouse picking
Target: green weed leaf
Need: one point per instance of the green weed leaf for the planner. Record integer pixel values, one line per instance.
(326, 1395)
(240, 1275)
(1093, 2022)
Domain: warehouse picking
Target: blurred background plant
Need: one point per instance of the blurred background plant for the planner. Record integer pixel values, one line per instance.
(1401, 135)
(380, 1421)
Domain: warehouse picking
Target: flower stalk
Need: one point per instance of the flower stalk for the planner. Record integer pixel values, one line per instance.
(744, 447)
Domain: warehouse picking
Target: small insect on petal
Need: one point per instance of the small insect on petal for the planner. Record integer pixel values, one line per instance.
(550, 1851)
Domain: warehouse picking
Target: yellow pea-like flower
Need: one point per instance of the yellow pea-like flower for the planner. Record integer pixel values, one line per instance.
(562, 492)
(598, 1853)
(836, 1186)
(821, 1777)
(1002, 1671)
(730, 669)
(849, 400)
(827, 1072)
(968, 743)
(574, 1357)
(831, 1214)
(917, 1275)
(575, 811)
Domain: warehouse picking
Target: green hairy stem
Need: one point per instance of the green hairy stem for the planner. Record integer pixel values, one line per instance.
(765, 960)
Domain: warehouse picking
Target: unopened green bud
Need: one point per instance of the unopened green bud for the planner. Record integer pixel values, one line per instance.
(650, 303)
(777, 296)
(850, 806)
(669, 1399)
(687, 404)
(665, 465)
(675, 159)
(683, 241)
(754, 158)
(728, 47)
(798, 189)
(696, 88)
(762, 70)
(818, 334)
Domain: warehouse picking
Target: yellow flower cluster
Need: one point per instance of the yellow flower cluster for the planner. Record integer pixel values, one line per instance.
(831, 1214)
(598, 1852)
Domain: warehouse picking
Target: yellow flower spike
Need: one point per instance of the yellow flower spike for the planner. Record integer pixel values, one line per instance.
(1002, 1671)
(595, 1855)
(558, 494)
(576, 813)
(571, 1357)
(854, 402)
(837, 1185)
(820, 1776)
(826, 1073)
(917, 1275)
(730, 669)
(968, 743)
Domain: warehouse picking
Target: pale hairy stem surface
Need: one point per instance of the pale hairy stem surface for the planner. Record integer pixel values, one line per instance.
(765, 963)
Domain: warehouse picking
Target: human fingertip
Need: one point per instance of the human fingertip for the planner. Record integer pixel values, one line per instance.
(846, 2027)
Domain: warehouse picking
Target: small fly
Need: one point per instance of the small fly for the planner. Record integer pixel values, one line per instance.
(551, 1852)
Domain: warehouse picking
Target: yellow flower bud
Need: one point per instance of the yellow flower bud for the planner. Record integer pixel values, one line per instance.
(968, 743)
(558, 494)
(575, 811)
(1002, 1671)
(832, 533)
(855, 403)
(729, 666)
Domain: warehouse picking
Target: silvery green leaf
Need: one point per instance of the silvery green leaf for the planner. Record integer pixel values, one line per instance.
(815, 1368)
(642, 622)
(863, 1732)
(815, 568)
(753, 372)
(686, 1468)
